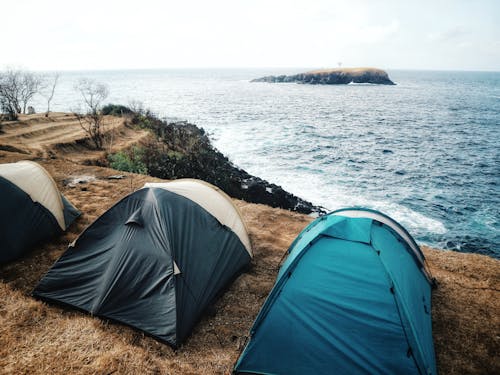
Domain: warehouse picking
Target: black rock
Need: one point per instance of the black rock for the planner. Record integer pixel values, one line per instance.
(184, 150)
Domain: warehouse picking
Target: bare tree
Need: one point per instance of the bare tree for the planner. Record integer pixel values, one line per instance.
(10, 87)
(91, 121)
(17, 88)
(31, 84)
(50, 95)
(7, 112)
(136, 106)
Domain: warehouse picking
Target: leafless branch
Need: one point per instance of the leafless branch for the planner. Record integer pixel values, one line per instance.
(17, 88)
(30, 85)
(50, 95)
(93, 95)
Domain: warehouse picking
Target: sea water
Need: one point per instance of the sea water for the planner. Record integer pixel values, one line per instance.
(425, 151)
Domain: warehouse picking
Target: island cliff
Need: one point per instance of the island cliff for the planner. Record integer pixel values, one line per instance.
(340, 76)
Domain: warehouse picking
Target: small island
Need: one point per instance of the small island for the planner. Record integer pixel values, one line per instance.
(338, 76)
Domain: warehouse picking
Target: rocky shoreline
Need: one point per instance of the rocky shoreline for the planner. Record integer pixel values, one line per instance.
(183, 150)
(340, 76)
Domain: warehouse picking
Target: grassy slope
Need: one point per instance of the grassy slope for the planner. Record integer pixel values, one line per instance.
(39, 338)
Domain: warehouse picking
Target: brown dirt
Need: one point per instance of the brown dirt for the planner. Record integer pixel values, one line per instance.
(61, 135)
(39, 338)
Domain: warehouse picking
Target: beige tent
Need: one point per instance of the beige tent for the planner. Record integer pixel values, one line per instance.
(156, 260)
(31, 208)
(35, 181)
(213, 200)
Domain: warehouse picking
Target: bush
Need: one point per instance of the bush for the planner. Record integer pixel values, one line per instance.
(129, 161)
(116, 110)
(7, 112)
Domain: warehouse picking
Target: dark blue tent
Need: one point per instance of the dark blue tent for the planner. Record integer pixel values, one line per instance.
(32, 209)
(353, 297)
(154, 261)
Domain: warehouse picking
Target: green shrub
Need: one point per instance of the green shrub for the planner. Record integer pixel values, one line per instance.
(116, 110)
(129, 161)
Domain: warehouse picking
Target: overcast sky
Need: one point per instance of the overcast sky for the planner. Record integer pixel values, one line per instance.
(390, 34)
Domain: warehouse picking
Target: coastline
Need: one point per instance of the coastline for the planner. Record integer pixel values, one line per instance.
(183, 150)
(38, 338)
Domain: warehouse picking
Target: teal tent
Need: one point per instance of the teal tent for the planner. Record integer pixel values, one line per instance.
(353, 297)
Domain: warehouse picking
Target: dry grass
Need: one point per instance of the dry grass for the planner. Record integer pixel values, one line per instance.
(40, 338)
(466, 312)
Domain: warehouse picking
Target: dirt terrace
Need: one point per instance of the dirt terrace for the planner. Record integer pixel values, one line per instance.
(60, 135)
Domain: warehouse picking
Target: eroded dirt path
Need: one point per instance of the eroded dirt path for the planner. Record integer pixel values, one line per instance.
(61, 135)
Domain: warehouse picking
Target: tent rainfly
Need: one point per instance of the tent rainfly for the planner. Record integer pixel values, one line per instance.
(352, 297)
(154, 261)
(32, 209)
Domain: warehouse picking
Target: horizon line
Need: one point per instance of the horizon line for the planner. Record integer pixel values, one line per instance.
(6, 66)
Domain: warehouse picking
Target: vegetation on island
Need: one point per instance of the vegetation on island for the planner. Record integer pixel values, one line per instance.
(335, 76)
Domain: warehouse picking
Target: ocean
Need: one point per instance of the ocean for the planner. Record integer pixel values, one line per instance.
(425, 151)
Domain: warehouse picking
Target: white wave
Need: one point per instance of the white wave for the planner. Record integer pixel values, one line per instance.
(352, 83)
(314, 188)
